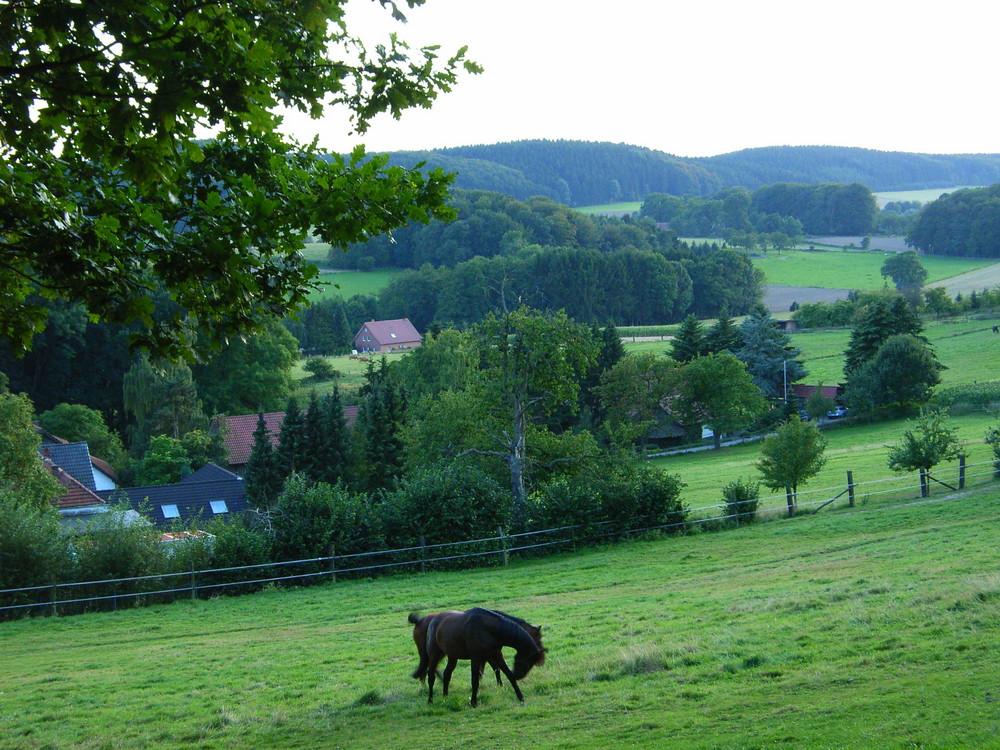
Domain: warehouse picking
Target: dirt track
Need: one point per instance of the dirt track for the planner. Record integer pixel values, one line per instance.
(778, 299)
(973, 281)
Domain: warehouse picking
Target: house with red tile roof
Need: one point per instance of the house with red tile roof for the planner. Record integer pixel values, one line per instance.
(238, 430)
(386, 336)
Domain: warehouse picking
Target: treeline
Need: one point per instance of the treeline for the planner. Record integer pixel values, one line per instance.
(629, 287)
(491, 224)
(784, 208)
(964, 223)
(572, 172)
(581, 173)
(879, 170)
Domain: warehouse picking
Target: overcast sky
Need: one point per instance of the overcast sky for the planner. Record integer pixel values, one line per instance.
(699, 77)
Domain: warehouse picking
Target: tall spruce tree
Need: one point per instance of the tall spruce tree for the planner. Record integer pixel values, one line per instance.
(724, 336)
(292, 452)
(335, 444)
(879, 320)
(380, 417)
(689, 341)
(769, 355)
(262, 477)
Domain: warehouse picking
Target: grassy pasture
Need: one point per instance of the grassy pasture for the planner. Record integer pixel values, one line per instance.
(924, 196)
(346, 284)
(845, 630)
(861, 449)
(611, 208)
(835, 269)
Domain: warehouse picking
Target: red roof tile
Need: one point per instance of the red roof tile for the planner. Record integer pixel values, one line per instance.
(76, 495)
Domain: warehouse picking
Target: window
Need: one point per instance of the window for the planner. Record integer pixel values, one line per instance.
(219, 506)
(170, 511)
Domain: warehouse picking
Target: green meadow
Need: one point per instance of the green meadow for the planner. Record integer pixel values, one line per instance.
(874, 627)
(345, 284)
(838, 269)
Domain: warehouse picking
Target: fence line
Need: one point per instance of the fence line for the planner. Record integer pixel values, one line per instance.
(201, 581)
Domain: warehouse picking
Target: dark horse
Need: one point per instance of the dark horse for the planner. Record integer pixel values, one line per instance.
(478, 635)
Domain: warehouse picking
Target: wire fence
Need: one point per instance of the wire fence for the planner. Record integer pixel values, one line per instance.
(82, 596)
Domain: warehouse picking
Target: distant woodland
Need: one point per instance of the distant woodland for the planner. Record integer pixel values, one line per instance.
(581, 173)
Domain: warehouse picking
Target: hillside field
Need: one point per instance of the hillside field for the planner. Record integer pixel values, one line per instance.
(871, 628)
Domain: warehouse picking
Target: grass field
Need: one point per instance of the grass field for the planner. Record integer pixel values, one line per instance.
(863, 629)
(924, 196)
(346, 284)
(611, 208)
(835, 269)
(861, 449)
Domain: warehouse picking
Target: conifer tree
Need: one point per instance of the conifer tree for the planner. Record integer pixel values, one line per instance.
(879, 320)
(724, 336)
(292, 448)
(263, 480)
(689, 341)
(335, 443)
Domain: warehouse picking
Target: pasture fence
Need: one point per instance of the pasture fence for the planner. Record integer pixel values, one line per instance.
(61, 598)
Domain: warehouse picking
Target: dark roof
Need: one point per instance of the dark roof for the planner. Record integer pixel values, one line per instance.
(73, 458)
(210, 473)
(193, 500)
(238, 432)
(399, 331)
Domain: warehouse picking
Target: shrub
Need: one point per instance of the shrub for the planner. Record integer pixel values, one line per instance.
(238, 543)
(33, 549)
(446, 502)
(562, 502)
(741, 498)
(320, 368)
(309, 517)
(119, 544)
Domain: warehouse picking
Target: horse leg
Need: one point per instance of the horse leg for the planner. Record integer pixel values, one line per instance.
(431, 674)
(446, 679)
(478, 666)
(501, 666)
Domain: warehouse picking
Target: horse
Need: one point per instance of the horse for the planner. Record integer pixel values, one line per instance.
(478, 635)
(420, 639)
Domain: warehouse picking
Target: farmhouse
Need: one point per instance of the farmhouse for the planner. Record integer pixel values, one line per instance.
(237, 434)
(386, 336)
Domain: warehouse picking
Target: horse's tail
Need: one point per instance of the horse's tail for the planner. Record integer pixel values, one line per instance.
(414, 618)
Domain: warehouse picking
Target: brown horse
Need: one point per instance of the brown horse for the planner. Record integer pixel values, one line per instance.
(478, 635)
(420, 625)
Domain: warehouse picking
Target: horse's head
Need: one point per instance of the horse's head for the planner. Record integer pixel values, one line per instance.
(525, 660)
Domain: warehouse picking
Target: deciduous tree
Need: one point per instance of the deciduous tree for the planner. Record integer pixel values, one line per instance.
(926, 444)
(108, 195)
(790, 457)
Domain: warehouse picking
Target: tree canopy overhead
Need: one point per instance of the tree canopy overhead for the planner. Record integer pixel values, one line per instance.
(107, 196)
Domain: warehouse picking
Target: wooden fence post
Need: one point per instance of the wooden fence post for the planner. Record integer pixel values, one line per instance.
(850, 489)
(423, 554)
(194, 583)
(961, 472)
(503, 545)
(332, 567)
(924, 484)
(55, 599)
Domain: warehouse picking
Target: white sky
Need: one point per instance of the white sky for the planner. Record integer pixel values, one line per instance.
(698, 77)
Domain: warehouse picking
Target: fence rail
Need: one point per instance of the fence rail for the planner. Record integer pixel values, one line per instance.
(72, 597)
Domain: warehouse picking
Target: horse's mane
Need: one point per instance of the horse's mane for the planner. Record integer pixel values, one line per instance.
(510, 628)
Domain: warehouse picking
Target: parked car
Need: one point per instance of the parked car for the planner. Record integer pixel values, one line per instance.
(840, 411)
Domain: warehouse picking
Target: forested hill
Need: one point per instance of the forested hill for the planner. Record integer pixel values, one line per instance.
(579, 173)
